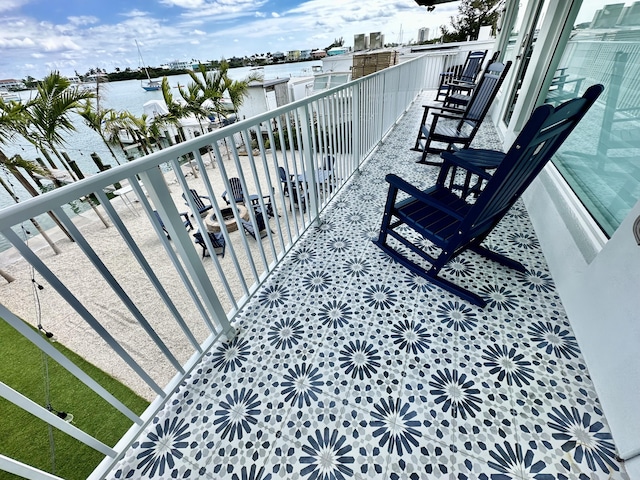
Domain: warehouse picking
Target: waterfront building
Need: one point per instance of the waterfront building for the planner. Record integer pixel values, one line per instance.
(12, 84)
(293, 55)
(318, 54)
(423, 35)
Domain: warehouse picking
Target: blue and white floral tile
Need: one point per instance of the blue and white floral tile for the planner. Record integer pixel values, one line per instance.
(325, 453)
(177, 444)
(575, 440)
(241, 457)
(429, 459)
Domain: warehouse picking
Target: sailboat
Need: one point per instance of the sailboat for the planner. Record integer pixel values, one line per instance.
(148, 85)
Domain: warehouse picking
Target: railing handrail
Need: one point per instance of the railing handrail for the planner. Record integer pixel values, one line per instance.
(33, 206)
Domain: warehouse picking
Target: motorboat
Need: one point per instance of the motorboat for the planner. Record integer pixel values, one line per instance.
(8, 96)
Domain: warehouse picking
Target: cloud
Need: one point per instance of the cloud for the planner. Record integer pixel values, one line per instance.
(83, 20)
(173, 29)
(16, 42)
(135, 13)
(9, 5)
(58, 44)
(190, 4)
(224, 10)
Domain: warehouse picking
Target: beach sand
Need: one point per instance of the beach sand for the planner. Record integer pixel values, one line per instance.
(83, 280)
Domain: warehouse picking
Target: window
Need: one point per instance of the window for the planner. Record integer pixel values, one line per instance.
(601, 159)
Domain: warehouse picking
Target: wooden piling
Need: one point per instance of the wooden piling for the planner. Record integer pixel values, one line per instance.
(102, 167)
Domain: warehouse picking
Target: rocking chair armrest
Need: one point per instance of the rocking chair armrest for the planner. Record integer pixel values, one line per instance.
(450, 159)
(447, 116)
(400, 184)
(462, 84)
(441, 108)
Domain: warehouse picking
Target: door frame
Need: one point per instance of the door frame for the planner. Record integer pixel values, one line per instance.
(545, 58)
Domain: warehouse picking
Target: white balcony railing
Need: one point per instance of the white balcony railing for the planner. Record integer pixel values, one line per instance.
(200, 298)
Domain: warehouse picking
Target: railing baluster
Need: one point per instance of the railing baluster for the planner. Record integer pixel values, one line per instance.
(51, 418)
(157, 190)
(223, 229)
(174, 225)
(71, 367)
(139, 256)
(72, 300)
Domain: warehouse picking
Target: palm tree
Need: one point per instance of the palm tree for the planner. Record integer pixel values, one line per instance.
(14, 121)
(49, 112)
(177, 111)
(11, 121)
(212, 84)
(48, 117)
(216, 85)
(238, 89)
(99, 121)
(115, 122)
(194, 102)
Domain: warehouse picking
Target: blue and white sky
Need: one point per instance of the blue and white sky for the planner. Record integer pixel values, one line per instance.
(38, 36)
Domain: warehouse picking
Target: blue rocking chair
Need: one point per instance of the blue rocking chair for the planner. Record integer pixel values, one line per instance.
(454, 128)
(444, 216)
(247, 225)
(466, 74)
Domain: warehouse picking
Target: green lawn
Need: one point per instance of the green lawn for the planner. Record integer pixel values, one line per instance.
(26, 438)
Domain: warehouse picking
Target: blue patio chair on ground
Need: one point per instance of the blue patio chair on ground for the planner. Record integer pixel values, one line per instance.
(454, 128)
(197, 199)
(236, 191)
(292, 189)
(238, 195)
(186, 222)
(247, 225)
(465, 74)
(218, 243)
(453, 224)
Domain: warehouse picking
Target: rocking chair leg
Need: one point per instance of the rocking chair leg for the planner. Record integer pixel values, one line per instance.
(432, 276)
(496, 257)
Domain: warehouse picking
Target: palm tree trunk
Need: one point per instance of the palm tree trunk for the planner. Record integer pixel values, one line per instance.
(102, 219)
(53, 246)
(110, 149)
(9, 278)
(64, 164)
(183, 138)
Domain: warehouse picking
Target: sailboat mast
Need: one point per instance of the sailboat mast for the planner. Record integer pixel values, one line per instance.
(152, 85)
(144, 65)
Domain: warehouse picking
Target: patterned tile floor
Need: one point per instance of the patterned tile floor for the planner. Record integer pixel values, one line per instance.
(347, 366)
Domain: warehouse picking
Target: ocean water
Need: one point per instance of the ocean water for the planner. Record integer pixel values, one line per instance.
(127, 95)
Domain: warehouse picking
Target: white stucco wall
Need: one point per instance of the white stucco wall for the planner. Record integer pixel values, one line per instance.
(600, 289)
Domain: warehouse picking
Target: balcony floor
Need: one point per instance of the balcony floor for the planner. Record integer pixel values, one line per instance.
(346, 366)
